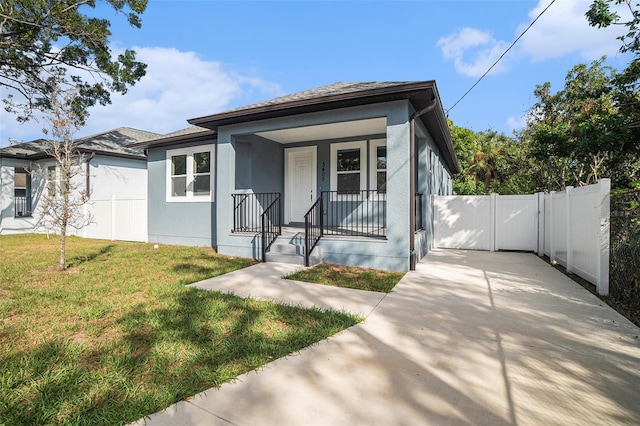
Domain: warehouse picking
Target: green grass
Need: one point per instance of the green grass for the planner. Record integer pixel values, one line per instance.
(118, 335)
(349, 277)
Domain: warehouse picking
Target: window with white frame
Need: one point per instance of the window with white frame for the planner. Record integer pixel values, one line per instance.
(189, 174)
(348, 161)
(52, 181)
(378, 164)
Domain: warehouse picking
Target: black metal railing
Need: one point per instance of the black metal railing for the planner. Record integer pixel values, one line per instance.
(271, 225)
(355, 213)
(22, 207)
(418, 212)
(312, 229)
(248, 209)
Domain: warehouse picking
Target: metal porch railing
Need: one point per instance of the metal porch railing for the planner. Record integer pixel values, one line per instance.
(355, 213)
(312, 228)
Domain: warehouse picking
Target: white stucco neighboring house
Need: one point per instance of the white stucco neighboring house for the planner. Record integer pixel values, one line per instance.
(114, 174)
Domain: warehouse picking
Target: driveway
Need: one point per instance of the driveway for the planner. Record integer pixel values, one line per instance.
(468, 338)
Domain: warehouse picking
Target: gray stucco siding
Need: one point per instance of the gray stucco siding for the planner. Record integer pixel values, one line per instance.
(390, 253)
(185, 223)
(371, 253)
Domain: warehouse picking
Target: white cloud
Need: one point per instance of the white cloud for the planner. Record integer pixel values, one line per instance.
(563, 29)
(483, 47)
(516, 123)
(178, 85)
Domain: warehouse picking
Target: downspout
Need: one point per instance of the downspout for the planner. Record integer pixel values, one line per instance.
(412, 182)
(88, 175)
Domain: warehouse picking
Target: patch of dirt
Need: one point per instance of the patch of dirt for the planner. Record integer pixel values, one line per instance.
(79, 338)
(52, 269)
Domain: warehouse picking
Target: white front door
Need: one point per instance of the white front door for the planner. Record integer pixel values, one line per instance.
(300, 182)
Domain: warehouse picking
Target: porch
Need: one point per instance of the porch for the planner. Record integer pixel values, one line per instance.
(348, 215)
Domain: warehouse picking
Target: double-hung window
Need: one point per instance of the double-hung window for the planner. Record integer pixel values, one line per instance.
(349, 164)
(189, 174)
(52, 181)
(378, 165)
(352, 172)
(22, 192)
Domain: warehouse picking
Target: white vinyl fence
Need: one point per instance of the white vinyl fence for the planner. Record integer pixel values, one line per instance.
(117, 219)
(571, 227)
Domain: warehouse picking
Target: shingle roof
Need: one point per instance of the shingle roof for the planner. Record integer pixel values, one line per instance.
(114, 142)
(339, 88)
(183, 132)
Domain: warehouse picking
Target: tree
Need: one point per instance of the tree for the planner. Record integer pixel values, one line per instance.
(62, 200)
(41, 40)
(582, 133)
(602, 14)
(489, 162)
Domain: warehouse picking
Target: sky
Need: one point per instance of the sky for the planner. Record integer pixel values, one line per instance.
(208, 56)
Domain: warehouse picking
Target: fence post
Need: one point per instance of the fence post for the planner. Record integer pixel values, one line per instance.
(540, 218)
(552, 229)
(113, 217)
(493, 229)
(568, 191)
(604, 206)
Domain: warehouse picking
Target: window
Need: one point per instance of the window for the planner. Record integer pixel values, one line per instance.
(51, 181)
(378, 165)
(189, 174)
(22, 192)
(348, 167)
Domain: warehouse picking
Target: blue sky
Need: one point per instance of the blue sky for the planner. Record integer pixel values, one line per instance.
(208, 56)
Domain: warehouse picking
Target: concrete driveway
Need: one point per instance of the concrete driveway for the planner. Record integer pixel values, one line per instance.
(468, 338)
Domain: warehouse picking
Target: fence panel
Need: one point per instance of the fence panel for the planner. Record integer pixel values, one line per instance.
(117, 219)
(517, 222)
(571, 227)
(547, 225)
(463, 222)
(559, 228)
(585, 220)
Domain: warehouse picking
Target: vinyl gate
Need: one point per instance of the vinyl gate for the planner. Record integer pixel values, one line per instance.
(571, 227)
(487, 222)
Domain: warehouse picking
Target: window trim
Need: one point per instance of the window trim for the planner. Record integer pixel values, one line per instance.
(335, 147)
(373, 162)
(190, 197)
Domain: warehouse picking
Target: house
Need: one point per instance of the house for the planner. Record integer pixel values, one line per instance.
(342, 173)
(114, 174)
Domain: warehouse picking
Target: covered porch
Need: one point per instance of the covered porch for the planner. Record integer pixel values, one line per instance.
(325, 183)
(342, 169)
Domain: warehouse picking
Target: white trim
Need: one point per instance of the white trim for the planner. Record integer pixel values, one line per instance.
(289, 181)
(190, 197)
(373, 161)
(335, 147)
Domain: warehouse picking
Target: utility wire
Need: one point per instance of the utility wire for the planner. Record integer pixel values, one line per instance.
(501, 56)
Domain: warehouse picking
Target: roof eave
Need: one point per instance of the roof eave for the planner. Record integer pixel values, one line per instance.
(206, 135)
(292, 107)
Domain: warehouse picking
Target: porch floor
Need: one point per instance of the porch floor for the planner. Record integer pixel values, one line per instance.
(297, 230)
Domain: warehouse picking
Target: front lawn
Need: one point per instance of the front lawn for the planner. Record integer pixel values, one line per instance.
(118, 335)
(349, 277)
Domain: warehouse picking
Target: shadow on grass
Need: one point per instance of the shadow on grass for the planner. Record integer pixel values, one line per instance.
(195, 340)
(78, 260)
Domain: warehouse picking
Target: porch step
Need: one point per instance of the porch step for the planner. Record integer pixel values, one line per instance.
(288, 249)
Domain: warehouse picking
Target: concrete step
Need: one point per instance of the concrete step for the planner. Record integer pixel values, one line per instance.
(284, 250)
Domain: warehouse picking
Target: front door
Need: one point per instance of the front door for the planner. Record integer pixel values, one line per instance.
(300, 184)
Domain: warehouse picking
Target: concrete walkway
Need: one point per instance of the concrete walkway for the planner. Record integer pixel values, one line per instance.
(468, 338)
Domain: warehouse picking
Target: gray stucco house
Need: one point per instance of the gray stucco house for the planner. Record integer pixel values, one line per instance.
(342, 173)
